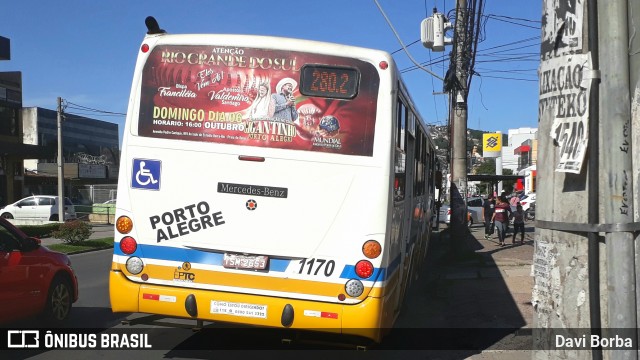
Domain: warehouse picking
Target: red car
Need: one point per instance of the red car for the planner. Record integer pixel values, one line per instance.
(33, 279)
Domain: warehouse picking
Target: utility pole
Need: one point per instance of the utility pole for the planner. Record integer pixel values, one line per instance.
(587, 244)
(458, 113)
(499, 165)
(60, 165)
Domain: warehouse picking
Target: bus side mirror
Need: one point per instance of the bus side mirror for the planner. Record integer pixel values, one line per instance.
(438, 179)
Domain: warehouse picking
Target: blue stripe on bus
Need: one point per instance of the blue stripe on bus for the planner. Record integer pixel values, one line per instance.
(215, 258)
(191, 255)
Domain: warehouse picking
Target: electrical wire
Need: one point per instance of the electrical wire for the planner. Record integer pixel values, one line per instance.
(435, 62)
(514, 43)
(509, 78)
(86, 108)
(515, 23)
(514, 18)
(401, 43)
(415, 42)
(90, 114)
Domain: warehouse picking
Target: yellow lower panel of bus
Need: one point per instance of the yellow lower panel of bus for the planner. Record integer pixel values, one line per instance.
(250, 281)
(362, 319)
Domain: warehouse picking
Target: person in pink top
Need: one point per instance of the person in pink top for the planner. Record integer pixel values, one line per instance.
(515, 200)
(518, 224)
(501, 217)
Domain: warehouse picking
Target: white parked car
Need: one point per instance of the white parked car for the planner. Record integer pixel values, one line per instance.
(38, 207)
(527, 201)
(474, 208)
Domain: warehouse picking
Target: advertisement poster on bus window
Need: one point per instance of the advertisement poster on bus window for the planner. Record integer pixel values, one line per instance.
(257, 97)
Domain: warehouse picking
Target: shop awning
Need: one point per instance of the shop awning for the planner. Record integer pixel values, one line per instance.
(24, 151)
(521, 149)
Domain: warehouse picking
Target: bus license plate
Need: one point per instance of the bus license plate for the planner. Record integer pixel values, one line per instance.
(252, 262)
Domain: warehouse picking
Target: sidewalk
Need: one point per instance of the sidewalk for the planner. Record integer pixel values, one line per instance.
(487, 296)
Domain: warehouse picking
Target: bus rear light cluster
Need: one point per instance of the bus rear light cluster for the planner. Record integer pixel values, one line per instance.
(128, 245)
(124, 225)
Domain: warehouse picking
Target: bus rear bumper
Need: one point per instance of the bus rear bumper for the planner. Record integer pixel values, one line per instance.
(361, 319)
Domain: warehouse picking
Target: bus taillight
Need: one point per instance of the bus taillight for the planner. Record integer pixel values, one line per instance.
(364, 269)
(144, 48)
(371, 249)
(128, 245)
(124, 224)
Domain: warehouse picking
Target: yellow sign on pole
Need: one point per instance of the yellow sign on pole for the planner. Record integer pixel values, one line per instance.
(491, 144)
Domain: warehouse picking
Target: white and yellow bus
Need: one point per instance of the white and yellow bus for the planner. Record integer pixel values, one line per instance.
(272, 182)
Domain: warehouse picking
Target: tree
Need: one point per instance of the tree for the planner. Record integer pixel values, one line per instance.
(488, 167)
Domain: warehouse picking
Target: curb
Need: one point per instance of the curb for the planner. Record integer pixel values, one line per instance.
(89, 250)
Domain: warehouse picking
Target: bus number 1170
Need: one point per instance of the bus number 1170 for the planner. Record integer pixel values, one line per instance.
(317, 264)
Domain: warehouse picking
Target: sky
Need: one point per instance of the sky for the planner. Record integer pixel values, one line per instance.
(85, 51)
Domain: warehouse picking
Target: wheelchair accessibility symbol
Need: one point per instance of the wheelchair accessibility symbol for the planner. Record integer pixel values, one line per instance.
(146, 174)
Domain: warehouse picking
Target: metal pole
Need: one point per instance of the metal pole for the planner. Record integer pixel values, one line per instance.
(593, 210)
(60, 165)
(617, 169)
(634, 81)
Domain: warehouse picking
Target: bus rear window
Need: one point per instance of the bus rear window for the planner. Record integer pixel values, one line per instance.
(257, 97)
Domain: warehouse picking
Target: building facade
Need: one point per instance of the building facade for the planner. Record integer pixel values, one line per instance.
(527, 154)
(12, 149)
(515, 138)
(90, 150)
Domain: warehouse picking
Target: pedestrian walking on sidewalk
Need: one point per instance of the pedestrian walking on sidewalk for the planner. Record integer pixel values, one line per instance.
(501, 217)
(518, 224)
(488, 208)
